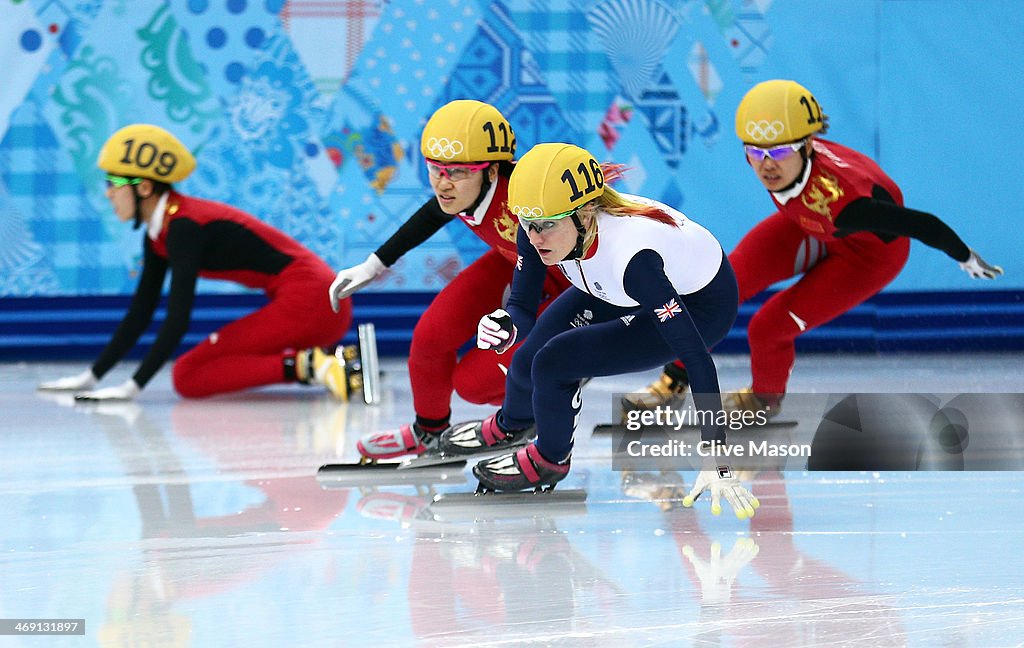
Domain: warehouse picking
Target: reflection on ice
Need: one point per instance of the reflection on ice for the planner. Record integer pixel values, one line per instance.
(172, 522)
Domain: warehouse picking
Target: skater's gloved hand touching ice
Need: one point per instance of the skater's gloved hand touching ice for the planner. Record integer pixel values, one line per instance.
(126, 391)
(78, 382)
(352, 279)
(718, 478)
(496, 331)
(978, 268)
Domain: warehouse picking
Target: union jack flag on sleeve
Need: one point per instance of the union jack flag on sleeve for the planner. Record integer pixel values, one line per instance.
(668, 311)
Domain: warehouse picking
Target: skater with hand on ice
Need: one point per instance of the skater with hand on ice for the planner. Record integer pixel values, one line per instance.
(648, 285)
(192, 238)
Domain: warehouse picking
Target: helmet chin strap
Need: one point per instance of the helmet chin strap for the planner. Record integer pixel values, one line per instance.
(800, 176)
(581, 233)
(485, 186)
(138, 208)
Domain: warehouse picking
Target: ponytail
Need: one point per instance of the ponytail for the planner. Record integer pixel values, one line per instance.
(613, 203)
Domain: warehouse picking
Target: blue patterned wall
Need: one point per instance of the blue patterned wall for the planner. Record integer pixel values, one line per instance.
(308, 113)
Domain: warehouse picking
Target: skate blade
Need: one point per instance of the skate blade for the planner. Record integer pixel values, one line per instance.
(436, 459)
(618, 428)
(428, 460)
(370, 363)
(453, 507)
(387, 474)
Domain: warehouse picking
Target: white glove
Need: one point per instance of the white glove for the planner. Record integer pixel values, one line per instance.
(84, 380)
(496, 331)
(718, 478)
(718, 574)
(352, 279)
(123, 392)
(978, 268)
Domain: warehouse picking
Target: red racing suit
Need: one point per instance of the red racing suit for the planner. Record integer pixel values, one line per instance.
(203, 238)
(435, 368)
(845, 229)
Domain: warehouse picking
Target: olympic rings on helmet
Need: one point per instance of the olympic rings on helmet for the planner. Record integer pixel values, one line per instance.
(765, 131)
(444, 148)
(522, 211)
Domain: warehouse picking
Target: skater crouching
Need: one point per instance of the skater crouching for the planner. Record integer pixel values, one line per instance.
(648, 285)
(840, 225)
(188, 238)
(468, 147)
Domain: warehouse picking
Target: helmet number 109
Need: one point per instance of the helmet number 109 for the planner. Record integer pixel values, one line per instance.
(146, 155)
(813, 114)
(592, 185)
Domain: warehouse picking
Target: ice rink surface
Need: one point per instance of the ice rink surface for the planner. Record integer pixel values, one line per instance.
(169, 522)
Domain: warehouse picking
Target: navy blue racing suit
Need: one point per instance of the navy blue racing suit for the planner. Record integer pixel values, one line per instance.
(581, 335)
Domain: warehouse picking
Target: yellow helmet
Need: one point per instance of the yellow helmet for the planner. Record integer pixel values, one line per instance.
(777, 112)
(552, 180)
(464, 131)
(146, 151)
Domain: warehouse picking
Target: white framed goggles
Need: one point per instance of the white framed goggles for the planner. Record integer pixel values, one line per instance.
(776, 153)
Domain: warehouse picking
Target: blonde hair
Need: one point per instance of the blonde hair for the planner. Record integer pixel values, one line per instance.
(613, 203)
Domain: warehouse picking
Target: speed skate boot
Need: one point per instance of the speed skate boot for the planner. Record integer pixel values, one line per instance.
(523, 469)
(745, 400)
(339, 371)
(477, 437)
(407, 441)
(669, 390)
(345, 370)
